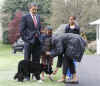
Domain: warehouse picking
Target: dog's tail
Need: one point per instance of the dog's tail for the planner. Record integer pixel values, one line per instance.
(15, 77)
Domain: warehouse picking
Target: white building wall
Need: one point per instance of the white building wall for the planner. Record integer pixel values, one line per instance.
(98, 39)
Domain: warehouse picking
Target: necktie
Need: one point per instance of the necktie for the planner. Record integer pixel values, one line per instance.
(35, 21)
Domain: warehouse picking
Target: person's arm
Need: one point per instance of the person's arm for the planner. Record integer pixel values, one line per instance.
(56, 50)
(22, 28)
(40, 24)
(67, 28)
(78, 30)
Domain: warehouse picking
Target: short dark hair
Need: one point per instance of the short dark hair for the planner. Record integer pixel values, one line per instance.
(73, 17)
(32, 4)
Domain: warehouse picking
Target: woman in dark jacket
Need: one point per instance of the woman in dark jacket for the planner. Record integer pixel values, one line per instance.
(68, 63)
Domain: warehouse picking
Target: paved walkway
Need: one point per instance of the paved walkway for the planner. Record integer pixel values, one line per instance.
(88, 71)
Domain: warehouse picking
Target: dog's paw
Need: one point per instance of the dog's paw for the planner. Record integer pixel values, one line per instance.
(16, 76)
(20, 81)
(40, 81)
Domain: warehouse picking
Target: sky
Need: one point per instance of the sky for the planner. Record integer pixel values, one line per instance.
(1, 2)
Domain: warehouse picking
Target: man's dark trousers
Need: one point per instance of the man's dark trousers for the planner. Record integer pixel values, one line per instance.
(32, 52)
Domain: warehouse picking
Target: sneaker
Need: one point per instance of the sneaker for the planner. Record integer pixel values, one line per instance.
(27, 79)
(51, 77)
(40, 81)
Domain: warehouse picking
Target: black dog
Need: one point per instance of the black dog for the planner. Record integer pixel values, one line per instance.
(25, 68)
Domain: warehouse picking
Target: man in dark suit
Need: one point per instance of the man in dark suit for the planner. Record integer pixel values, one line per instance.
(30, 32)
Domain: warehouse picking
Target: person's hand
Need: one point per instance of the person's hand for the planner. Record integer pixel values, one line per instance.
(56, 70)
(47, 53)
(36, 35)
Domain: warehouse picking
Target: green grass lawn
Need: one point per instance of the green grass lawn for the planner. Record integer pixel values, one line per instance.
(8, 67)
